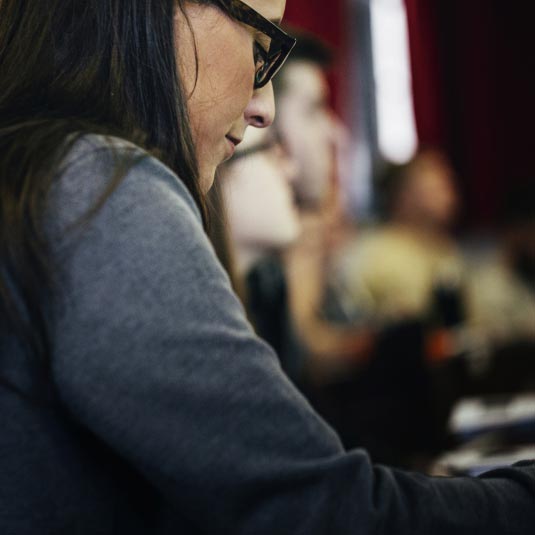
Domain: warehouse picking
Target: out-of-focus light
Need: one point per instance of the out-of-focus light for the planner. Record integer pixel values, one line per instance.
(395, 113)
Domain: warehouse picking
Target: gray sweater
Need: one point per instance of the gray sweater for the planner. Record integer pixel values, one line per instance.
(173, 417)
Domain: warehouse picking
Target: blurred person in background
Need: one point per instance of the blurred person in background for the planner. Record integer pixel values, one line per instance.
(313, 136)
(393, 271)
(403, 278)
(262, 222)
(501, 282)
(262, 214)
(305, 121)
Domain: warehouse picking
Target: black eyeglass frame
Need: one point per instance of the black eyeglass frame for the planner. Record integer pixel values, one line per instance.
(274, 60)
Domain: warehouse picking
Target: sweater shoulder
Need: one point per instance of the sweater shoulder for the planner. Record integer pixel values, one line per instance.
(98, 169)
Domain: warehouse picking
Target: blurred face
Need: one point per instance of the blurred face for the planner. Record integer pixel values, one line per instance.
(222, 102)
(308, 128)
(258, 195)
(430, 193)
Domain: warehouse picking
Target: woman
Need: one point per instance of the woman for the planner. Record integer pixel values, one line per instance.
(135, 397)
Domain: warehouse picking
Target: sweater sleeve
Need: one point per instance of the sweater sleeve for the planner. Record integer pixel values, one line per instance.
(153, 354)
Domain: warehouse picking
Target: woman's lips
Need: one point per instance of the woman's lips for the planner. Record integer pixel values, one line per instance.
(233, 142)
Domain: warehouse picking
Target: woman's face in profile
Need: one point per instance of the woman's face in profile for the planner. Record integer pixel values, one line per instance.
(221, 100)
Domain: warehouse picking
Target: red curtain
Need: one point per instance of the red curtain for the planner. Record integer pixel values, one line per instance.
(327, 20)
(473, 88)
(426, 74)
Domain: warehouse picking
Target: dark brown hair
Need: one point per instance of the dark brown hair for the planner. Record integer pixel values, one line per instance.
(68, 68)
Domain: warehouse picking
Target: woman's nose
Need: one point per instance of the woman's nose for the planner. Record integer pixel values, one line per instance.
(260, 110)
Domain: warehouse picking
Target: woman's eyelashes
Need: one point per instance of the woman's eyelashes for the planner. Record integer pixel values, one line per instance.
(260, 58)
(260, 53)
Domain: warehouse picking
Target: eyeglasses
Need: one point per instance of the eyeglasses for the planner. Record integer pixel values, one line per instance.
(272, 48)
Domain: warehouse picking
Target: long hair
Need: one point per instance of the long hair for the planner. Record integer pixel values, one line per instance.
(68, 68)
